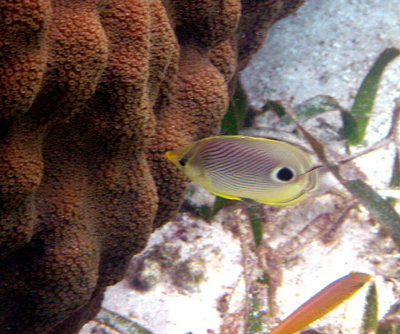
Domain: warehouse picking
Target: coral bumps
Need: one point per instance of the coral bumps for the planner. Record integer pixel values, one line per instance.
(92, 93)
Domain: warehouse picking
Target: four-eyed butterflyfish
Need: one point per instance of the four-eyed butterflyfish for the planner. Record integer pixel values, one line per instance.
(267, 171)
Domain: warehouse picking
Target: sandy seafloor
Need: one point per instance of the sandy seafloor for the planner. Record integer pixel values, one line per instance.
(326, 48)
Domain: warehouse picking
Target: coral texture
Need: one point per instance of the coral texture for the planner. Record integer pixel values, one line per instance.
(92, 93)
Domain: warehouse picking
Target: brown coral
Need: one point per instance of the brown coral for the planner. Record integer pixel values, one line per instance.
(92, 93)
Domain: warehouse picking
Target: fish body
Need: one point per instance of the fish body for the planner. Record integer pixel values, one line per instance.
(268, 171)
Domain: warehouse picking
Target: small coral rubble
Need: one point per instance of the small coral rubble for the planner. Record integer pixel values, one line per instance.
(92, 93)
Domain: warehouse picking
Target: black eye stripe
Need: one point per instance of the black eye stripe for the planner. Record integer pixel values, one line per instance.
(185, 158)
(183, 161)
(285, 174)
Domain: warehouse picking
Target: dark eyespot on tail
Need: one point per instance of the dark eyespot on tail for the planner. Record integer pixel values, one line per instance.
(285, 174)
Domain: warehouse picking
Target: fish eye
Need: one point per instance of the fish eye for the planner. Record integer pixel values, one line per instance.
(185, 158)
(183, 161)
(284, 174)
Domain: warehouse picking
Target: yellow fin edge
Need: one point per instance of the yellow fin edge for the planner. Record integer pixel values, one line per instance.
(225, 196)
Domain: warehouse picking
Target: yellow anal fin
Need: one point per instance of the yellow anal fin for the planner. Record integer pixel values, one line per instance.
(287, 203)
(225, 196)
